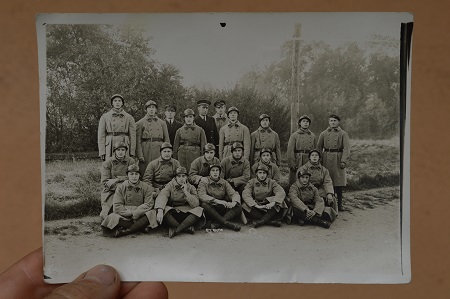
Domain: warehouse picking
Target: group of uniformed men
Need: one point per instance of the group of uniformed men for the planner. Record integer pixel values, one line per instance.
(210, 171)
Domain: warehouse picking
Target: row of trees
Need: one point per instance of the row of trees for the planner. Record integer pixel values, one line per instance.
(86, 64)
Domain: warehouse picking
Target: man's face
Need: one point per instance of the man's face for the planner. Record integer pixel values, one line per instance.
(265, 123)
(237, 153)
(304, 179)
(133, 176)
(314, 157)
(233, 115)
(169, 114)
(261, 175)
(189, 120)
(181, 179)
(151, 110)
(221, 110)
(120, 152)
(214, 173)
(117, 103)
(166, 154)
(202, 109)
(334, 123)
(266, 157)
(304, 123)
(209, 155)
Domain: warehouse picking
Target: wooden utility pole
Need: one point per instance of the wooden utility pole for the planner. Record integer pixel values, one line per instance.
(295, 78)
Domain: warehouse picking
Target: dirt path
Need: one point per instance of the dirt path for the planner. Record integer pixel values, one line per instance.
(363, 245)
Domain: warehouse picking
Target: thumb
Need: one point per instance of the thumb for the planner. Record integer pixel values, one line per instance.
(100, 282)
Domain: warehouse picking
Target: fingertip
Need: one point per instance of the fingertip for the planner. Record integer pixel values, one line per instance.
(103, 274)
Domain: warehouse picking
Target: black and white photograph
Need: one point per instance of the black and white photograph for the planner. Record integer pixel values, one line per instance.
(226, 147)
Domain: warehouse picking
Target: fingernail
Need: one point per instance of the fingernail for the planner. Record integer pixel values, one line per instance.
(102, 274)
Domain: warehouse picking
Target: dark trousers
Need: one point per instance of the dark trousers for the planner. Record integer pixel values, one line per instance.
(262, 217)
(221, 214)
(179, 220)
(316, 220)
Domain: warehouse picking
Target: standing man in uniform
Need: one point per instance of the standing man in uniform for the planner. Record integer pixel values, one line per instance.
(116, 125)
(151, 133)
(161, 170)
(189, 142)
(172, 124)
(300, 144)
(236, 168)
(233, 132)
(265, 137)
(113, 173)
(335, 147)
(206, 122)
(220, 116)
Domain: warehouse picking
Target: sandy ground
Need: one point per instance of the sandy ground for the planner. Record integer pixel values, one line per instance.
(362, 245)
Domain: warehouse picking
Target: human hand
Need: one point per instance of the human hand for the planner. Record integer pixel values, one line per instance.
(141, 159)
(270, 205)
(310, 214)
(24, 280)
(159, 216)
(343, 165)
(203, 180)
(329, 198)
(111, 182)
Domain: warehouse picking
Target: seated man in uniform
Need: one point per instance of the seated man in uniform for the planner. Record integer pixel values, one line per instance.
(307, 205)
(113, 172)
(320, 178)
(178, 205)
(200, 166)
(132, 207)
(266, 159)
(236, 168)
(219, 200)
(263, 198)
(161, 170)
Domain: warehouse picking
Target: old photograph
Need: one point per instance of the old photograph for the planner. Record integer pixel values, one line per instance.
(226, 147)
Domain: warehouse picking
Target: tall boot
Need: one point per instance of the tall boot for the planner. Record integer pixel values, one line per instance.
(316, 220)
(338, 191)
(211, 212)
(138, 225)
(266, 218)
(187, 222)
(232, 213)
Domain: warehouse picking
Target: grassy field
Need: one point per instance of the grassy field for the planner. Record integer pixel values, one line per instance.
(73, 188)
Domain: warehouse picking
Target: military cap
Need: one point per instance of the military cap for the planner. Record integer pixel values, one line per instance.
(335, 116)
(181, 170)
(203, 102)
(209, 147)
(149, 103)
(117, 96)
(314, 151)
(232, 108)
(236, 145)
(303, 172)
(219, 103)
(263, 116)
(133, 168)
(165, 145)
(262, 167)
(188, 112)
(304, 117)
(265, 150)
(170, 108)
(120, 144)
(215, 165)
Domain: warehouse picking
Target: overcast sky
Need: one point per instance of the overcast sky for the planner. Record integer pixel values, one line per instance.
(208, 55)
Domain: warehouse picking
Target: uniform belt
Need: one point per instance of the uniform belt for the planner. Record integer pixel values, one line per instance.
(230, 143)
(117, 134)
(152, 139)
(301, 151)
(333, 150)
(189, 143)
